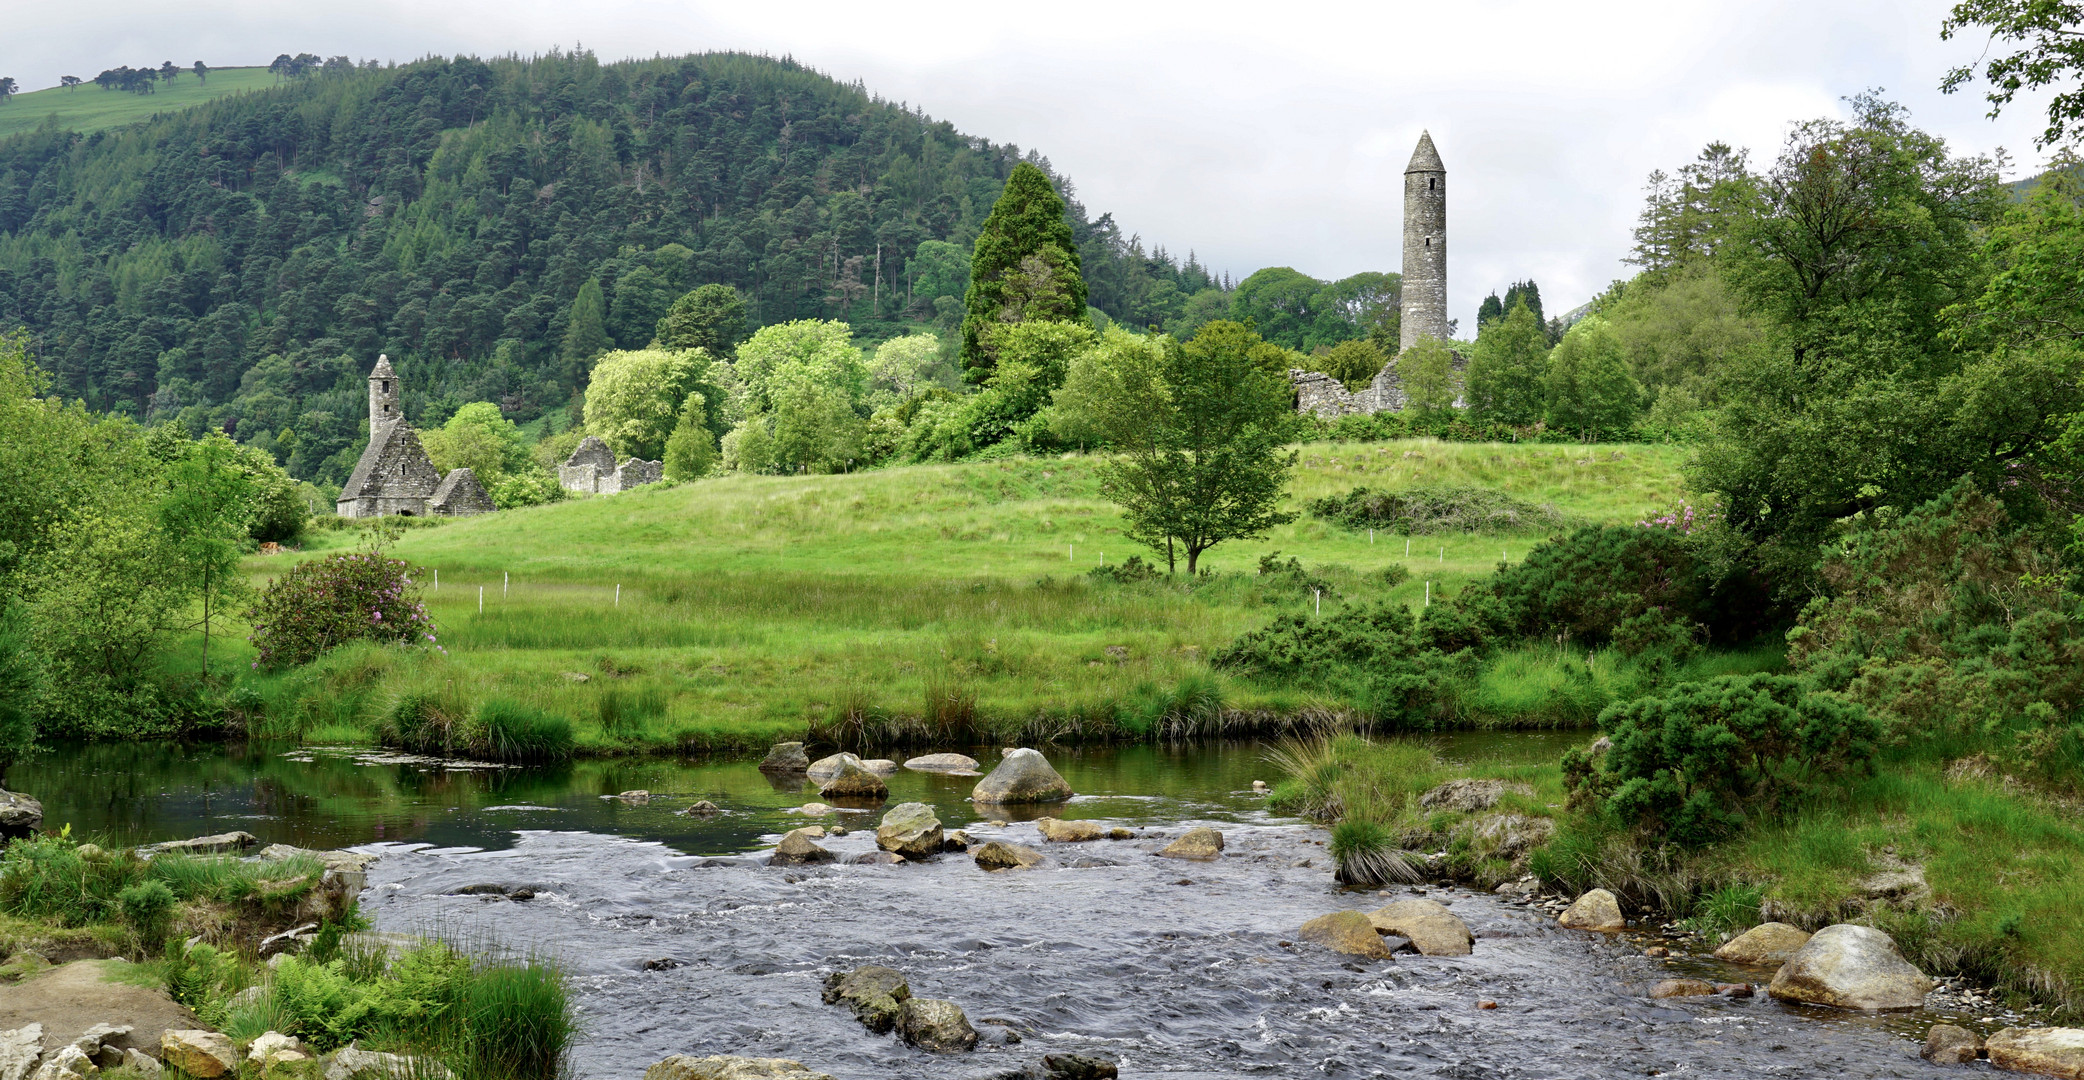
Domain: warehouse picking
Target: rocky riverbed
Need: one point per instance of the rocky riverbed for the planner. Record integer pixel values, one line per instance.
(1172, 968)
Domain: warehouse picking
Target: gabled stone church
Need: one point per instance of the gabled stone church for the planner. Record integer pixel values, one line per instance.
(395, 475)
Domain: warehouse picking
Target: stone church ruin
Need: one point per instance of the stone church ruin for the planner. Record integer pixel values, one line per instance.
(394, 475)
(1424, 297)
(592, 469)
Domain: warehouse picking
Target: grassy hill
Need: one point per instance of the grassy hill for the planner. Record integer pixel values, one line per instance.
(90, 108)
(952, 596)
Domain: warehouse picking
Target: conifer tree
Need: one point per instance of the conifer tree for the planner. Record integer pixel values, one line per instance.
(586, 336)
(1025, 266)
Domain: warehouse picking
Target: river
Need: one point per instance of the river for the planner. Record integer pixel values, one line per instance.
(679, 940)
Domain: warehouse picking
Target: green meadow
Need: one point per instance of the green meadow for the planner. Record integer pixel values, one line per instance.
(88, 107)
(934, 602)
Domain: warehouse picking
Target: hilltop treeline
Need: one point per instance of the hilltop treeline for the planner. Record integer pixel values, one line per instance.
(237, 266)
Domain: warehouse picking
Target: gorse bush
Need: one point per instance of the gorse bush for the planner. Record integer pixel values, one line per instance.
(328, 602)
(1693, 763)
(1635, 587)
(1418, 511)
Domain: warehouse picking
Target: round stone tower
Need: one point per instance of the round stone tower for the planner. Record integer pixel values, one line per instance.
(383, 393)
(1425, 246)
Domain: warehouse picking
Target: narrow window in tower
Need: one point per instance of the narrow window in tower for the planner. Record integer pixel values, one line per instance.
(1432, 182)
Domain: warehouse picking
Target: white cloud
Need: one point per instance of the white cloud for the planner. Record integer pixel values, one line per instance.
(1256, 134)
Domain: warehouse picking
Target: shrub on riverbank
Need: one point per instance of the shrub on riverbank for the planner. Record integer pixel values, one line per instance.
(1421, 511)
(336, 599)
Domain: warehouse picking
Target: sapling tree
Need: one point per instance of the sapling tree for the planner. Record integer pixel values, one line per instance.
(207, 509)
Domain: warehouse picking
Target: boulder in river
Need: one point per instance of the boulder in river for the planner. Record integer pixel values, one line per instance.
(851, 781)
(1022, 776)
(1068, 832)
(1765, 945)
(1951, 1044)
(876, 858)
(796, 849)
(879, 766)
(219, 844)
(935, 1025)
(1678, 988)
(2048, 1051)
(1433, 930)
(942, 763)
(1597, 910)
(703, 808)
(723, 1067)
(20, 815)
(1850, 967)
(911, 830)
(1466, 794)
(825, 768)
(872, 993)
(1000, 855)
(785, 757)
(1202, 843)
(1347, 932)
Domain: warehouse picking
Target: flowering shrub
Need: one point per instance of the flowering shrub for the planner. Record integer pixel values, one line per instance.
(1683, 518)
(331, 601)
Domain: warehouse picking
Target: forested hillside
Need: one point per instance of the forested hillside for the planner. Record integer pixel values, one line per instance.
(238, 265)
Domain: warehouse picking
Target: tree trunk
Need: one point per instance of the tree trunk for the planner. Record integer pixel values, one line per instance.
(1171, 563)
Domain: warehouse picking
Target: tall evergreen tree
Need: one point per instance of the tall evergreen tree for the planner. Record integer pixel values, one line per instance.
(1025, 266)
(711, 318)
(586, 335)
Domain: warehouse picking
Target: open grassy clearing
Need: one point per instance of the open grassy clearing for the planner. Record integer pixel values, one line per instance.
(88, 107)
(953, 595)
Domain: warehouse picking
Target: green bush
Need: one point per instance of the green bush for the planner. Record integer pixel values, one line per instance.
(1636, 587)
(1693, 763)
(324, 603)
(1127, 572)
(148, 909)
(516, 732)
(1418, 511)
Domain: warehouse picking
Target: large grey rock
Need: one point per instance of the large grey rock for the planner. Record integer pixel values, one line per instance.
(785, 757)
(1850, 967)
(1509, 836)
(2047, 1051)
(796, 849)
(1597, 910)
(880, 766)
(352, 1063)
(220, 844)
(1765, 945)
(20, 815)
(872, 993)
(1068, 832)
(1466, 795)
(684, 1067)
(1347, 932)
(19, 1050)
(66, 1063)
(942, 763)
(935, 1025)
(1950, 1044)
(1203, 844)
(202, 1054)
(1433, 930)
(826, 767)
(1000, 855)
(1022, 776)
(143, 1064)
(911, 830)
(850, 781)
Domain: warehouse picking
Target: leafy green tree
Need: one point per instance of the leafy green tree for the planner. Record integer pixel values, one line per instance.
(634, 399)
(906, 365)
(937, 269)
(586, 334)
(1587, 388)
(21, 683)
(815, 426)
(823, 349)
(480, 438)
(1354, 363)
(1033, 357)
(1286, 306)
(1682, 329)
(1025, 265)
(1426, 372)
(202, 71)
(691, 450)
(1202, 308)
(710, 318)
(1506, 368)
(1104, 385)
(2050, 53)
(7, 88)
(209, 504)
(1200, 440)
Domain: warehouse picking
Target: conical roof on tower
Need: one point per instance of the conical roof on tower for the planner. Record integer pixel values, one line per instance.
(383, 368)
(1425, 158)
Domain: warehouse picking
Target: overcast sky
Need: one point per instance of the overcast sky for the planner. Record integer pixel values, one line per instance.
(1262, 134)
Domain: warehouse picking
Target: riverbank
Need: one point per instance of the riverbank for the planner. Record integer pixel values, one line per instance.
(1972, 871)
